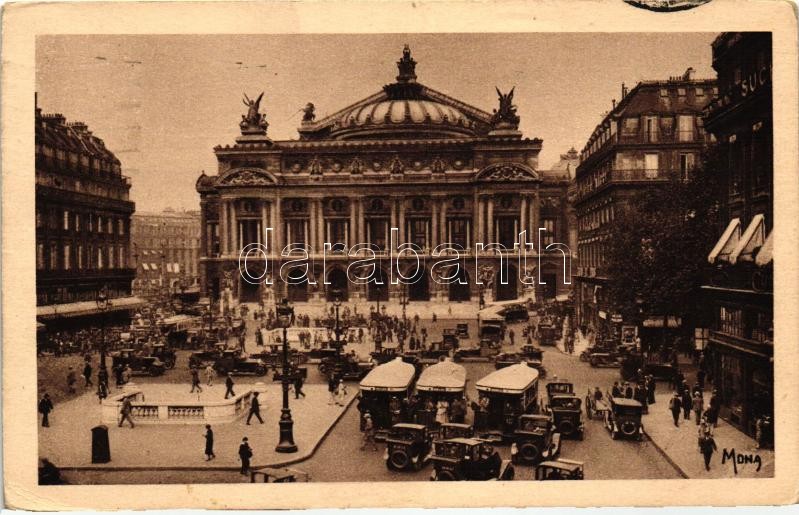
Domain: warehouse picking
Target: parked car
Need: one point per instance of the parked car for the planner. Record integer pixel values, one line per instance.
(140, 365)
(407, 447)
(345, 367)
(515, 313)
(232, 361)
(547, 334)
(623, 418)
(449, 430)
(535, 440)
(483, 351)
(165, 354)
(460, 459)
(202, 358)
(559, 469)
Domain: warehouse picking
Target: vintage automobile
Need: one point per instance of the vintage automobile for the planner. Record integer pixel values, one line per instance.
(383, 390)
(165, 354)
(603, 359)
(515, 313)
(140, 365)
(449, 430)
(566, 413)
(504, 395)
(660, 371)
(345, 367)
(623, 418)
(232, 361)
(202, 358)
(486, 349)
(559, 469)
(468, 459)
(443, 380)
(176, 329)
(547, 334)
(407, 447)
(529, 353)
(272, 356)
(535, 440)
(492, 329)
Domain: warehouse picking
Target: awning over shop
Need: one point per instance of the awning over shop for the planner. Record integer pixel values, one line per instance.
(752, 238)
(727, 243)
(764, 256)
(76, 309)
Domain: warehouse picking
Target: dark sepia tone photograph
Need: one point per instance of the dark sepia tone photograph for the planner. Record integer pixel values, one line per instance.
(403, 257)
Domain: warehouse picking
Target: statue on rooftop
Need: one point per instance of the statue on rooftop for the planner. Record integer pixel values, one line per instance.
(308, 114)
(253, 119)
(506, 114)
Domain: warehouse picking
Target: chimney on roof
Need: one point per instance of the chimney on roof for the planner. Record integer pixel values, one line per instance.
(689, 74)
(614, 103)
(623, 91)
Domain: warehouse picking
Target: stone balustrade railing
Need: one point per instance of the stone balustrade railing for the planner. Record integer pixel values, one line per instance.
(177, 412)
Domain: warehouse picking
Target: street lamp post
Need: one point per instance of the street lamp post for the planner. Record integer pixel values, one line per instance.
(337, 327)
(285, 314)
(103, 304)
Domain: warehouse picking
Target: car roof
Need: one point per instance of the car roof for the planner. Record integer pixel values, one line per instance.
(565, 396)
(408, 426)
(465, 441)
(455, 424)
(561, 465)
(623, 401)
(534, 417)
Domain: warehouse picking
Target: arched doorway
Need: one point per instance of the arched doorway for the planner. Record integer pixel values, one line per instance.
(338, 284)
(507, 291)
(459, 288)
(419, 286)
(297, 285)
(377, 289)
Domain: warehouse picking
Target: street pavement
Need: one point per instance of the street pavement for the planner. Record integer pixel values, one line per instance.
(339, 458)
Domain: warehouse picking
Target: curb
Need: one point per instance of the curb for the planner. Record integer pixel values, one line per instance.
(663, 453)
(284, 463)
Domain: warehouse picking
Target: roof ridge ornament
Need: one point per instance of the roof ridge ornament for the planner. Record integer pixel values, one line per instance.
(406, 66)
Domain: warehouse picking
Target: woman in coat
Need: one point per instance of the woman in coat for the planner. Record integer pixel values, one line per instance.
(442, 408)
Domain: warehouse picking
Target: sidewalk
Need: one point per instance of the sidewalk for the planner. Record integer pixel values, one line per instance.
(67, 443)
(679, 444)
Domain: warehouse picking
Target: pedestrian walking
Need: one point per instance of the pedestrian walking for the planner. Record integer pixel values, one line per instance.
(127, 412)
(700, 377)
(229, 386)
(245, 453)
(697, 406)
(209, 375)
(87, 375)
(675, 405)
(298, 387)
(368, 432)
(102, 378)
(195, 380)
(511, 336)
(651, 385)
(332, 385)
(341, 393)
(687, 402)
(707, 445)
(71, 380)
(118, 375)
(255, 409)
(45, 407)
(209, 443)
(715, 407)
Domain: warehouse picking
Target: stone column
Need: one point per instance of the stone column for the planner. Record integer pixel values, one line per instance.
(536, 215)
(264, 222)
(361, 221)
(321, 233)
(479, 235)
(393, 220)
(234, 229)
(203, 229)
(490, 221)
(443, 224)
(353, 233)
(523, 214)
(434, 240)
(313, 226)
(401, 220)
(277, 224)
(224, 230)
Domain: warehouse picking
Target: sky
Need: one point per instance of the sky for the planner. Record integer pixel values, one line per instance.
(162, 102)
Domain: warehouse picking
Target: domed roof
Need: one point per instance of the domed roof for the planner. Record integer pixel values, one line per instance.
(416, 115)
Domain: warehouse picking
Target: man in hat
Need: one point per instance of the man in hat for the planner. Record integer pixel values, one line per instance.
(675, 405)
(245, 453)
(229, 385)
(255, 409)
(209, 443)
(368, 432)
(45, 407)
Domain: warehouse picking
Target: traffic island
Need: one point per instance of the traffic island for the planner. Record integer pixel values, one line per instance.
(68, 442)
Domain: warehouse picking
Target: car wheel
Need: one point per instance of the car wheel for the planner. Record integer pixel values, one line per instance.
(528, 452)
(446, 475)
(399, 459)
(629, 428)
(170, 364)
(322, 368)
(260, 371)
(594, 362)
(566, 427)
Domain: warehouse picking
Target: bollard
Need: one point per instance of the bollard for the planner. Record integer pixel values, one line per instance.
(101, 449)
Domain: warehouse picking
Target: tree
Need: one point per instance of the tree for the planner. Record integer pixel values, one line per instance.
(657, 247)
